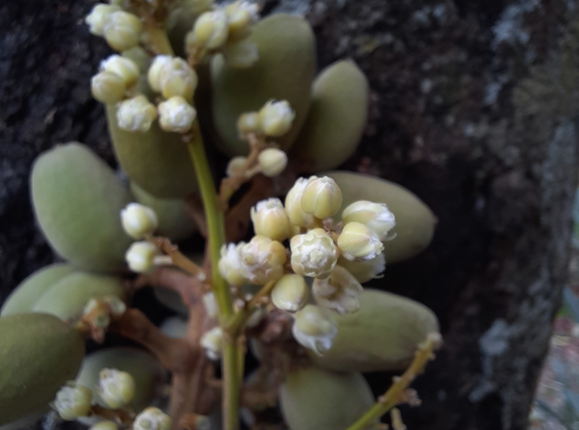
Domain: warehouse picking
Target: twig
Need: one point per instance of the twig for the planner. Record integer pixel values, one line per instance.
(234, 325)
(190, 288)
(177, 258)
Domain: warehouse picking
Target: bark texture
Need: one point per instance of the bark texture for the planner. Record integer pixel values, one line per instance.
(474, 108)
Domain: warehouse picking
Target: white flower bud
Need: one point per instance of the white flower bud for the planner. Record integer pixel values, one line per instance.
(376, 216)
(241, 54)
(105, 425)
(122, 30)
(152, 419)
(272, 161)
(365, 271)
(212, 341)
(98, 16)
(116, 388)
(176, 115)
(107, 87)
(154, 72)
(138, 220)
(123, 67)
(339, 292)
(211, 304)
(230, 265)
(73, 401)
(276, 117)
(270, 220)
(241, 16)
(236, 166)
(141, 257)
(176, 78)
(322, 197)
(211, 29)
(290, 293)
(313, 254)
(358, 242)
(248, 123)
(136, 114)
(263, 260)
(293, 205)
(314, 328)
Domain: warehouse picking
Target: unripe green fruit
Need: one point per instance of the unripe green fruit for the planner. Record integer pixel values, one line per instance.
(27, 293)
(284, 71)
(336, 119)
(174, 222)
(415, 222)
(143, 367)
(315, 399)
(67, 299)
(383, 335)
(39, 354)
(156, 160)
(77, 200)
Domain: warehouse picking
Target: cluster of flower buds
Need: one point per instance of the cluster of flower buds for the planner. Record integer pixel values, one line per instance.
(73, 401)
(122, 30)
(117, 74)
(274, 119)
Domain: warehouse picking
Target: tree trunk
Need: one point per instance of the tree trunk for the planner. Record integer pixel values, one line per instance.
(474, 108)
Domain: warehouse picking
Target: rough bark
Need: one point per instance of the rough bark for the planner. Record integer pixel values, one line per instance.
(474, 108)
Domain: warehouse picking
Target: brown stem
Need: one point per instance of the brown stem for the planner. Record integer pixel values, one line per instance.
(177, 258)
(117, 415)
(190, 288)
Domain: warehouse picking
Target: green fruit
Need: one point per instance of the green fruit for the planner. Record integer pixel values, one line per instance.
(27, 293)
(39, 354)
(315, 399)
(174, 222)
(284, 71)
(157, 161)
(145, 369)
(68, 298)
(415, 222)
(383, 335)
(336, 119)
(77, 200)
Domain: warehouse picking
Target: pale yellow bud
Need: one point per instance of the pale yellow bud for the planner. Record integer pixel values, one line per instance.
(116, 388)
(236, 166)
(248, 123)
(230, 265)
(313, 254)
(105, 425)
(276, 117)
(365, 271)
(136, 114)
(241, 16)
(272, 161)
(314, 328)
(212, 341)
(176, 115)
(138, 220)
(152, 419)
(376, 216)
(339, 292)
(358, 242)
(270, 220)
(107, 87)
(263, 260)
(141, 257)
(293, 205)
(177, 78)
(322, 197)
(73, 401)
(154, 72)
(290, 293)
(211, 29)
(126, 68)
(98, 16)
(122, 30)
(241, 54)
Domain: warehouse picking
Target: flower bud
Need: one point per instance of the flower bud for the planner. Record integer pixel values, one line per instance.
(290, 293)
(73, 401)
(236, 166)
(176, 78)
(211, 29)
(248, 123)
(314, 328)
(123, 67)
(141, 257)
(339, 292)
(176, 115)
(138, 220)
(98, 16)
(276, 117)
(270, 220)
(230, 265)
(107, 87)
(358, 242)
(313, 254)
(152, 419)
(122, 30)
(272, 161)
(116, 388)
(212, 341)
(293, 205)
(117, 306)
(136, 114)
(375, 216)
(101, 319)
(322, 197)
(154, 72)
(241, 54)
(365, 271)
(105, 425)
(211, 304)
(241, 16)
(263, 260)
